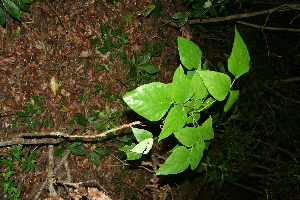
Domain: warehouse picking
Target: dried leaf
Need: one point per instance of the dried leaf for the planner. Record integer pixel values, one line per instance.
(54, 85)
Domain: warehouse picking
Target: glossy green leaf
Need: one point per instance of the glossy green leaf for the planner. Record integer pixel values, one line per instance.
(102, 151)
(198, 87)
(234, 95)
(206, 129)
(182, 89)
(2, 18)
(22, 5)
(151, 101)
(143, 58)
(12, 9)
(177, 162)
(187, 136)
(59, 152)
(141, 134)
(150, 69)
(122, 53)
(95, 157)
(144, 146)
(190, 54)
(197, 153)
(76, 151)
(175, 120)
(218, 84)
(239, 60)
(178, 15)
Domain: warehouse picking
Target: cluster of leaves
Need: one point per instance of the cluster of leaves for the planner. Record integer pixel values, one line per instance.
(141, 68)
(16, 159)
(31, 115)
(182, 101)
(14, 8)
(105, 92)
(102, 121)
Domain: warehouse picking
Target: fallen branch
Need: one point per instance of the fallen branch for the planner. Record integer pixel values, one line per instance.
(269, 28)
(284, 7)
(31, 141)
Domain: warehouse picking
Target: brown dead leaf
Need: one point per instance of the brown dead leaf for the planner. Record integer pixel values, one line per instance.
(95, 194)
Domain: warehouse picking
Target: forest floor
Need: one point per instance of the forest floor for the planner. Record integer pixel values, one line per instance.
(52, 45)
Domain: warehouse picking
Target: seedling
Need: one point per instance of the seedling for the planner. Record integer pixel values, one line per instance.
(31, 115)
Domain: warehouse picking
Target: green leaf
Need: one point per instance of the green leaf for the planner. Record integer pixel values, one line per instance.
(122, 53)
(141, 134)
(59, 152)
(144, 146)
(76, 151)
(133, 155)
(102, 152)
(218, 84)
(3, 18)
(177, 162)
(198, 87)
(12, 9)
(183, 21)
(239, 60)
(151, 101)
(188, 136)
(197, 153)
(182, 89)
(143, 58)
(175, 120)
(98, 125)
(75, 144)
(127, 148)
(206, 129)
(234, 95)
(23, 6)
(178, 15)
(150, 69)
(95, 157)
(95, 41)
(190, 54)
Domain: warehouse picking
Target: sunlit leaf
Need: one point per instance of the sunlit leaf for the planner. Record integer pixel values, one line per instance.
(197, 153)
(182, 88)
(144, 146)
(218, 84)
(177, 162)
(151, 101)
(175, 120)
(190, 54)
(239, 60)
(54, 85)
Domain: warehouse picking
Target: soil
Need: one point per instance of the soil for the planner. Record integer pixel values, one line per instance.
(52, 43)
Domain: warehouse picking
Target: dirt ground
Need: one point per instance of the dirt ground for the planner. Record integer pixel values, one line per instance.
(53, 42)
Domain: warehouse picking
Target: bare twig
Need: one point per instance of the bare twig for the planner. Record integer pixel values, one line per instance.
(63, 160)
(268, 27)
(50, 176)
(31, 141)
(284, 7)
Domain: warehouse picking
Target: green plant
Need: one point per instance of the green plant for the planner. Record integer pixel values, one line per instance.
(14, 8)
(32, 114)
(141, 69)
(83, 97)
(14, 160)
(113, 41)
(184, 101)
(105, 92)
